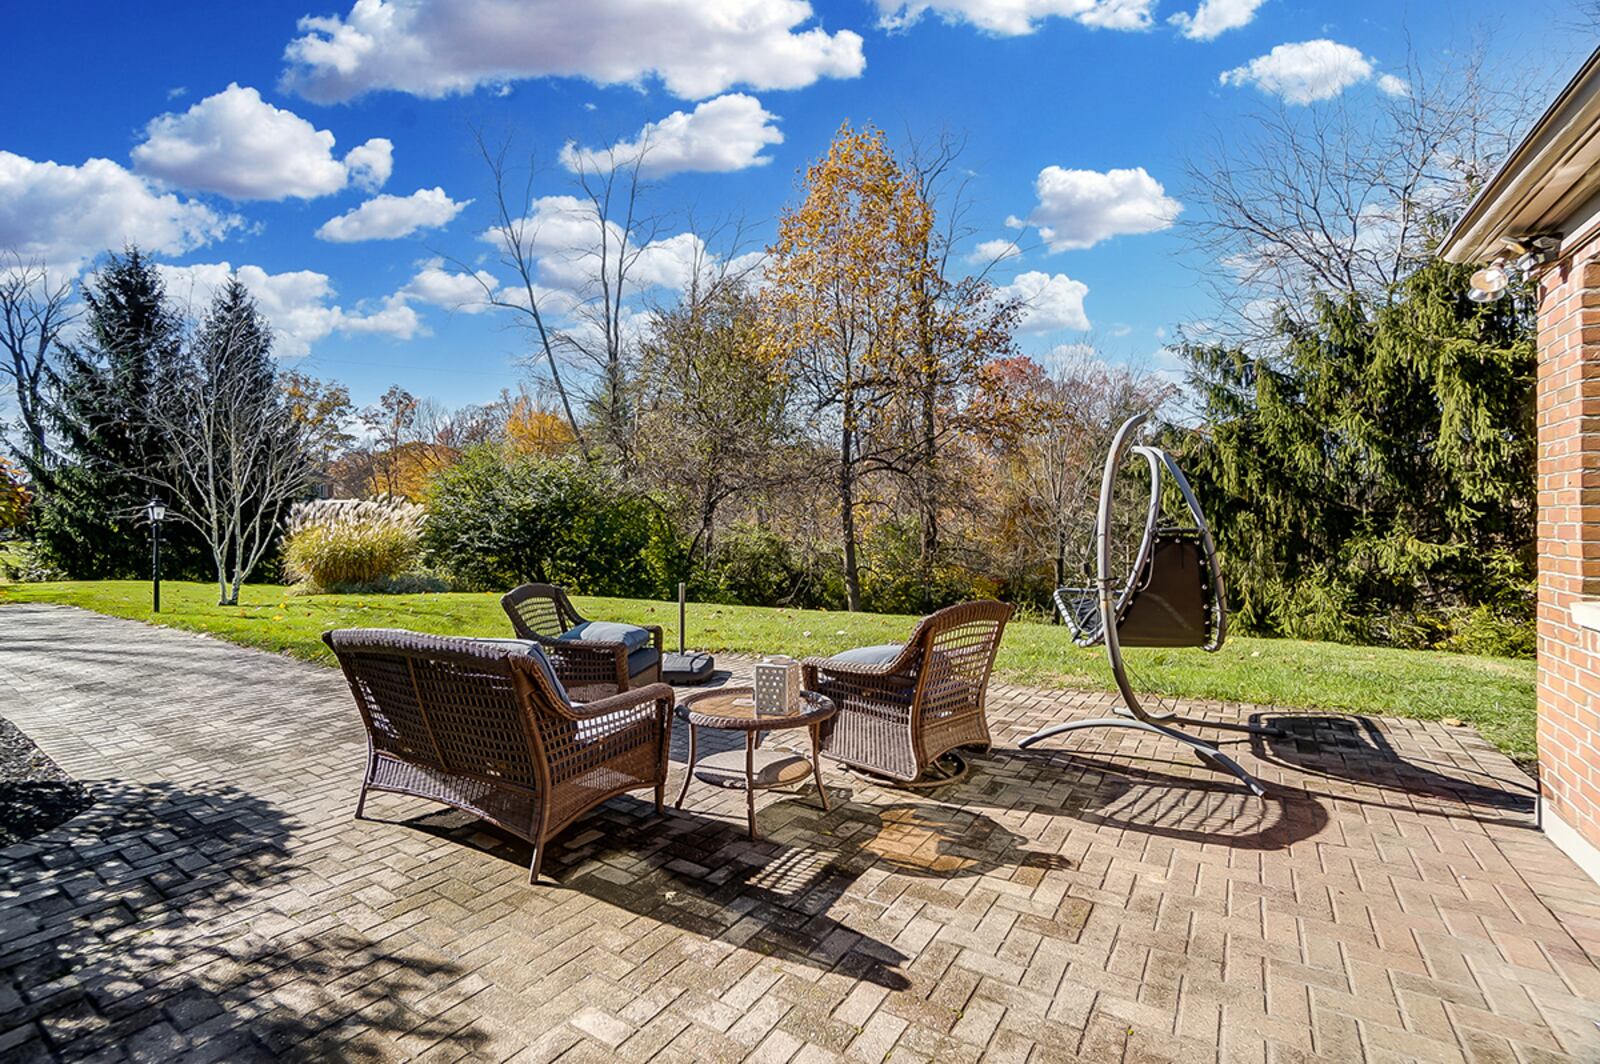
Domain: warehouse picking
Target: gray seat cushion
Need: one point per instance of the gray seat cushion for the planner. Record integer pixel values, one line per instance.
(642, 659)
(533, 650)
(878, 655)
(629, 635)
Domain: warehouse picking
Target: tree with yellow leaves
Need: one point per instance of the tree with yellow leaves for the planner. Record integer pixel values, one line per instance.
(839, 309)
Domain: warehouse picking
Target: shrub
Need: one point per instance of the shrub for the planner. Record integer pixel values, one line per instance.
(334, 545)
(1496, 632)
(13, 498)
(893, 580)
(750, 566)
(496, 520)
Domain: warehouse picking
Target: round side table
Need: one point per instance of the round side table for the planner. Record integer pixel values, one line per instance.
(734, 709)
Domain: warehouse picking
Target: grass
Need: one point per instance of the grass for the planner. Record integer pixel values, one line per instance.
(1494, 695)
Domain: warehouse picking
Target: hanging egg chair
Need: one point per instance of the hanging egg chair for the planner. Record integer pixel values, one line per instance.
(1166, 592)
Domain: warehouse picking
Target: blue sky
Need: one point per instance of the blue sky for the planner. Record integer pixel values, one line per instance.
(211, 123)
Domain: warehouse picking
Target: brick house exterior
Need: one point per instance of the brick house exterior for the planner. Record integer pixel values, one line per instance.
(1550, 187)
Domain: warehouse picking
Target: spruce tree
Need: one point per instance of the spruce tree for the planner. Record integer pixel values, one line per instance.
(1371, 478)
(88, 521)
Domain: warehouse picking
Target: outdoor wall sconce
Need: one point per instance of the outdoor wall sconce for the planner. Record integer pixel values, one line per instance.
(156, 510)
(1515, 263)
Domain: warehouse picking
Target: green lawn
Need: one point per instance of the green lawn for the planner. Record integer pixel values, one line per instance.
(1494, 695)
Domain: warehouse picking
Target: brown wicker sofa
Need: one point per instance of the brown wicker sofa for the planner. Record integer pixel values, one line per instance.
(590, 667)
(485, 726)
(903, 706)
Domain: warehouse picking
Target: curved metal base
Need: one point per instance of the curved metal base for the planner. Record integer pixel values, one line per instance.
(1211, 754)
(947, 768)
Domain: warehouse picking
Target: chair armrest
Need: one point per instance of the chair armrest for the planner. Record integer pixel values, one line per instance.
(655, 634)
(638, 696)
(903, 663)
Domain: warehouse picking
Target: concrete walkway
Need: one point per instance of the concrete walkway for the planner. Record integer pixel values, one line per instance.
(1108, 899)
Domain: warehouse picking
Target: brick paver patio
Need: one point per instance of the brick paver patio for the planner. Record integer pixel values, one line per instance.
(1104, 900)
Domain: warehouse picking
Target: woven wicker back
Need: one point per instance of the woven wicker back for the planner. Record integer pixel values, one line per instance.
(448, 703)
(958, 648)
(539, 610)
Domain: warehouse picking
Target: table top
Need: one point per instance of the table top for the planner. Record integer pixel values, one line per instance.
(734, 708)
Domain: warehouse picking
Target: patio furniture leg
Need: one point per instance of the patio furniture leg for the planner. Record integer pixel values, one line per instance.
(688, 772)
(750, 782)
(1208, 753)
(538, 860)
(816, 765)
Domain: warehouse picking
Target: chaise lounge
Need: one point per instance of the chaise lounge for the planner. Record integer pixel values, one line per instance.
(487, 727)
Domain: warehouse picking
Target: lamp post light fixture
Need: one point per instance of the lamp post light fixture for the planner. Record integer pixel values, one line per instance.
(156, 510)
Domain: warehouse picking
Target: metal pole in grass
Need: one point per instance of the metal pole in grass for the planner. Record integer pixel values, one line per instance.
(157, 510)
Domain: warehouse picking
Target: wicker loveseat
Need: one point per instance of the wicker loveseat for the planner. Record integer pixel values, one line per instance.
(485, 726)
(903, 706)
(592, 658)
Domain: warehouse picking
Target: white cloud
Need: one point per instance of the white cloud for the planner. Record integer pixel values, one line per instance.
(1307, 72)
(435, 48)
(992, 251)
(1051, 301)
(727, 133)
(1012, 18)
(1393, 86)
(370, 164)
(392, 217)
(62, 216)
(297, 303)
(238, 145)
(439, 287)
(1215, 17)
(562, 233)
(1079, 208)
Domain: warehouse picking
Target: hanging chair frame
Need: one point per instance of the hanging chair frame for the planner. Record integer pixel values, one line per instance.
(1116, 596)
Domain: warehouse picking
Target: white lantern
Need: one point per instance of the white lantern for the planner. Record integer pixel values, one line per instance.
(777, 685)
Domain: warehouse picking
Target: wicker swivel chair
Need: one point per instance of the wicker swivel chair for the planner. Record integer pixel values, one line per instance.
(484, 726)
(590, 667)
(902, 708)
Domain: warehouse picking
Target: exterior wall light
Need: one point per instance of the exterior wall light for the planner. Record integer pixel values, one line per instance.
(1517, 262)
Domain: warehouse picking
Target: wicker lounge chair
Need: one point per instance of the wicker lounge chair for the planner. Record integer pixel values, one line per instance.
(485, 726)
(593, 658)
(902, 707)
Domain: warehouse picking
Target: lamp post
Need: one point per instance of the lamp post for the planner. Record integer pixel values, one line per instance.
(155, 509)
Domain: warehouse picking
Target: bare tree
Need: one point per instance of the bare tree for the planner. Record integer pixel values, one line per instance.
(1345, 197)
(516, 233)
(715, 417)
(622, 234)
(34, 311)
(236, 453)
(1081, 405)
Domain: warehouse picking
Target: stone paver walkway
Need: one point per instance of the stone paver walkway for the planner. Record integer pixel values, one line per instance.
(1104, 900)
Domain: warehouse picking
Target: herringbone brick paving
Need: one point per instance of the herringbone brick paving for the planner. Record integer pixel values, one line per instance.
(1108, 899)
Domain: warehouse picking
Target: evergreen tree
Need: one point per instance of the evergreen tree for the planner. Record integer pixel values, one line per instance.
(87, 523)
(1371, 479)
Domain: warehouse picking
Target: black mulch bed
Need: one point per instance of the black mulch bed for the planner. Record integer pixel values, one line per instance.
(35, 795)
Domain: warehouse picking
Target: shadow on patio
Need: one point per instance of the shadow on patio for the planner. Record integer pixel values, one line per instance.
(702, 875)
(146, 923)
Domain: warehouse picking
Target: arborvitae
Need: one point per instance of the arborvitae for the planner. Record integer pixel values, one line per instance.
(1370, 478)
(89, 519)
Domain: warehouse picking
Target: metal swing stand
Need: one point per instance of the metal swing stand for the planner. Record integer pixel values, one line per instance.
(1172, 597)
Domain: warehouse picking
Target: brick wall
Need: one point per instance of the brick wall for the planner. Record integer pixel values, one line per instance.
(1569, 539)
